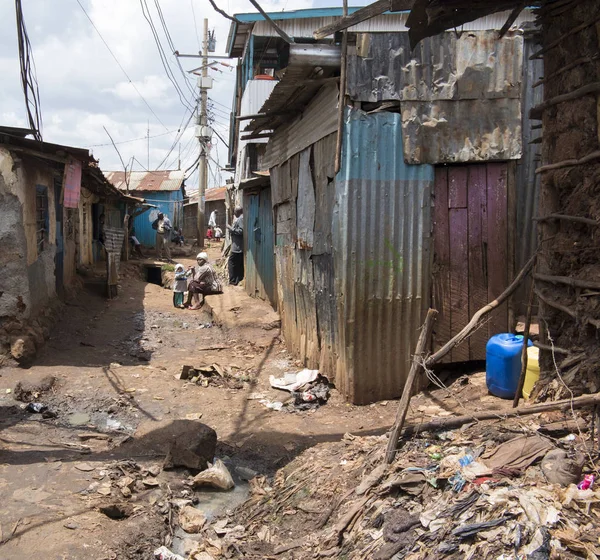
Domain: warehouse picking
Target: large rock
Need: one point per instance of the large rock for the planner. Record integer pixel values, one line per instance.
(190, 444)
(191, 519)
(22, 349)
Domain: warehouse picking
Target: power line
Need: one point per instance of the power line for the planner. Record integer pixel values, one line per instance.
(161, 53)
(121, 67)
(28, 75)
(133, 139)
(195, 24)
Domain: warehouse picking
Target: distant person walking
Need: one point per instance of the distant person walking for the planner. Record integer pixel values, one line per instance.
(236, 258)
(218, 233)
(163, 227)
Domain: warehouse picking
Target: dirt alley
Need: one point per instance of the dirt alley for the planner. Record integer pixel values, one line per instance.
(116, 364)
(118, 398)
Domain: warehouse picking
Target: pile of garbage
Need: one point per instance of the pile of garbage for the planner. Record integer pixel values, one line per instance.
(510, 488)
(308, 388)
(213, 375)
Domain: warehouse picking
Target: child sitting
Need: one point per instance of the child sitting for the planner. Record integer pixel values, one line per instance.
(179, 286)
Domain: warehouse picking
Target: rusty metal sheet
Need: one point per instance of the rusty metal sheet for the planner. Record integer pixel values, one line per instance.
(324, 172)
(469, 130)
(472, 65)
(305, 204)
(146, 180)
(382, 251)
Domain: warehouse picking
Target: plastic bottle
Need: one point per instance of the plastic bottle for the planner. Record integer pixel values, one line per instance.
(503, 364)
(533, 370)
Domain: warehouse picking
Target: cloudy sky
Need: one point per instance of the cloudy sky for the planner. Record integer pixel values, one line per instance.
(83, 89)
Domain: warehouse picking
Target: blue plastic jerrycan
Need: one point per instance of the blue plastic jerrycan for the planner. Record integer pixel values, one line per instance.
(503, 364)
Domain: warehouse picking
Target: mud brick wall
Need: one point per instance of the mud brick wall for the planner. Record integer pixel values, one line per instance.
(570, 132)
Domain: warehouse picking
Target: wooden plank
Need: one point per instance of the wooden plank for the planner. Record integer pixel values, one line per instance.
(441, 261)
(457, 187)
(363, 14)
(497, 253)
(478, 293)
(459, 278)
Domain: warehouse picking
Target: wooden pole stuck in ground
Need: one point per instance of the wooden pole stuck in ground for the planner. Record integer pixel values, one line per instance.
(408, 386)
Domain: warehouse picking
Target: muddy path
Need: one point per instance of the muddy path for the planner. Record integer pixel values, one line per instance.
(114, 407)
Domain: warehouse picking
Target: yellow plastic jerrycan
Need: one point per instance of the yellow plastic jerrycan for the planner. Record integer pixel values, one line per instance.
(533, 370)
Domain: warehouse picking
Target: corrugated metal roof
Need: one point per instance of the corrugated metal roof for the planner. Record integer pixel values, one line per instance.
(216, 193)
(303, 23)
(317, 121)
(382, 247)
(474, 65)
(147, 180)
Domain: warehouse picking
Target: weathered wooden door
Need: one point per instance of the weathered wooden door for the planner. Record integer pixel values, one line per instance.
(470, 264)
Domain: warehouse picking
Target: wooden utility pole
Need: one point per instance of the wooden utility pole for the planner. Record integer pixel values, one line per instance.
(203, 165)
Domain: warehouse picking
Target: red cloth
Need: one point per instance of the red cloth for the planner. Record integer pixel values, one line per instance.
(72, 187)
(209, 234)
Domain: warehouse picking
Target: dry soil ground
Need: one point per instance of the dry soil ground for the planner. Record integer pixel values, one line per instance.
(116, 364)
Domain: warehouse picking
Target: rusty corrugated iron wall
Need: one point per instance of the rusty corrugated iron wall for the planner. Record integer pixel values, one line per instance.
(382, 253)
(353, 301)
(459, 94)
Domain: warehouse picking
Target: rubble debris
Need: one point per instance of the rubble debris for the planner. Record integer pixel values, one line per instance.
(192, 445)
(163, 553)
(191, 520)
(217, 476)
(214, 375)
(559, 468)
(292, 382)
(440, 497)
(30, 391)
(117, 510)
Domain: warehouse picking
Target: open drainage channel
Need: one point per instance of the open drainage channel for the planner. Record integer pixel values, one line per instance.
(153, 274)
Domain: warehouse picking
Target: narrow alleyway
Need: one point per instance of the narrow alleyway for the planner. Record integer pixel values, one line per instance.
(117, 400)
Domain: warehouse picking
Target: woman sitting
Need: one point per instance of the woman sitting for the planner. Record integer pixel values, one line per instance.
(204, 280)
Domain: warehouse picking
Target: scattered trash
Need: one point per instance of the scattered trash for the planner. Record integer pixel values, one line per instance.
(217, 476)
(36, 407)
(560, 469)
(191, 519)
(587, 482)
(30, 391)
(213, 374)
(293, 381)
(273, 405)
(163, 553)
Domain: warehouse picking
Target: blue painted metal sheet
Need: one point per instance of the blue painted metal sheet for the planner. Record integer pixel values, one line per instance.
(260, 249)
(382, 252)
(167, 202)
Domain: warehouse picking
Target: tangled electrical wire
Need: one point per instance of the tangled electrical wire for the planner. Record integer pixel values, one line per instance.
(28, 75)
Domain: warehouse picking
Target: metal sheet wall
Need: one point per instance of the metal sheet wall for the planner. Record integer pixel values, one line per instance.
(317, 121)
(382, 253)
(352, 305)
(260, 249)
(169, 203)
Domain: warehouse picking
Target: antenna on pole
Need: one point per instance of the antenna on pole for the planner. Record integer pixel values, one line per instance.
(148, 145)
(179, 160)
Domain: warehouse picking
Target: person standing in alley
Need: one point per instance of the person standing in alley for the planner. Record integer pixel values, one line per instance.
(162, 225)
(236, 258)
(212, 221)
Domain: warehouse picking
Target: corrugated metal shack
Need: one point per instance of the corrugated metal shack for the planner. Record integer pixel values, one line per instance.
(214, 199)
(163, 189)
(423, 210)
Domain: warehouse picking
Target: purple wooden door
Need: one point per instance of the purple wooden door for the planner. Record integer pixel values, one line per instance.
(470, 265)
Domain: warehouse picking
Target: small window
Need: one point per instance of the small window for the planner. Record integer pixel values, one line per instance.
(41, 217)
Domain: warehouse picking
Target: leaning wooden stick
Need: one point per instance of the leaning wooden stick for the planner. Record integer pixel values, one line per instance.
(408, 386)
(474, 322)
(443, 424)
